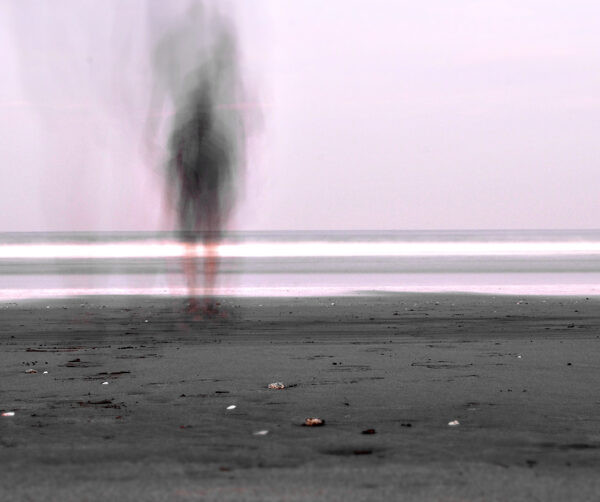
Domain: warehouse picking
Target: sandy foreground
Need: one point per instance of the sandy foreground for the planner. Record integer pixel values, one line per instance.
(521, 375)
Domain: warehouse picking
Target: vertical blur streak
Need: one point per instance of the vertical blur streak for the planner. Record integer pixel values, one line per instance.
(196, 74)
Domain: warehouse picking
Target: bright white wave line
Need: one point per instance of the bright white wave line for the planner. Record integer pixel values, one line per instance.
(304, 249)
(307, 291)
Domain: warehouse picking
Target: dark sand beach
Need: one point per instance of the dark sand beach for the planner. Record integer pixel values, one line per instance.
(521, 375)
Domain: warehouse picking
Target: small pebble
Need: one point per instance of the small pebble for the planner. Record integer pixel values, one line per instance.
(314, 422)
(454, 423)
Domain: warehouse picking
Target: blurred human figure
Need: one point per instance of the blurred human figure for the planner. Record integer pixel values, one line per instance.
(196, 64)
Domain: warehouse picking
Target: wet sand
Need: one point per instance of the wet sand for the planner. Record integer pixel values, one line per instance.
(521, 375)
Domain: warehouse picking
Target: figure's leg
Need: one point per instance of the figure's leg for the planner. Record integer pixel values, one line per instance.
(211, 263)
(189, 258)
(190, 268)
(211, 256)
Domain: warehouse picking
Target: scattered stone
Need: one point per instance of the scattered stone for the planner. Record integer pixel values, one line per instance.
(260, 433)
(276, 385)
(8, 414)
(232, 407)
(31, 371)
(453, 423)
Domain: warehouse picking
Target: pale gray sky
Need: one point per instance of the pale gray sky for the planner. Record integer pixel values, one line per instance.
(385, 114)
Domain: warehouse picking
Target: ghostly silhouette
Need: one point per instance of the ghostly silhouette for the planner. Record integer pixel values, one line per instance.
(196, 62)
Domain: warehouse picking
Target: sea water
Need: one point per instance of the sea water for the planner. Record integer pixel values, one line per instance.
(556, 262)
